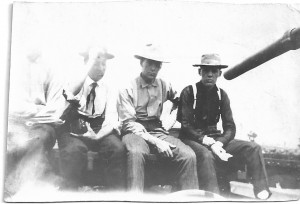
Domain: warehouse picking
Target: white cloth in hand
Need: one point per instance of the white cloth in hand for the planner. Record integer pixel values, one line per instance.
(220, 152)
(208, 141)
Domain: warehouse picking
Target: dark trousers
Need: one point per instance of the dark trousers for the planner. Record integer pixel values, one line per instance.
(26, 158)
(243, 152)
(73, 154)
(182, 166)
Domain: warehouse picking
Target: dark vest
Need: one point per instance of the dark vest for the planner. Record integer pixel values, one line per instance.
(208, 106)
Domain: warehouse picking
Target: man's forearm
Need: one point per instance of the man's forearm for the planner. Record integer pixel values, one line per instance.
(226, 137)
(76, 85)
(26, 110)
(149, 138)
(105, 131)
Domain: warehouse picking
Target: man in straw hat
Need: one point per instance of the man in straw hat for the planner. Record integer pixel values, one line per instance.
(201, 106)
(91, 124)
(140, 106)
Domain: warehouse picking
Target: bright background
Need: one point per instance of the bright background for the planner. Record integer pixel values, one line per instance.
(264, 100)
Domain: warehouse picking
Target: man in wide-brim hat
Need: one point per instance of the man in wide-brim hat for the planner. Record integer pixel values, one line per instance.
(140, 106)
(200, 108)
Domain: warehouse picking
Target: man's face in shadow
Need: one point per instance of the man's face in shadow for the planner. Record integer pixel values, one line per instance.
(98, 68)
(209, 75)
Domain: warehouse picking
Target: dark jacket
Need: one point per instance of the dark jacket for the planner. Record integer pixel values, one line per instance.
(194, 123)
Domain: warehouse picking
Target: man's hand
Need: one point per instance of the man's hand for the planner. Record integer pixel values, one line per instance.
(220, 152)
(164, 148)
(90, 132)
(208, 141)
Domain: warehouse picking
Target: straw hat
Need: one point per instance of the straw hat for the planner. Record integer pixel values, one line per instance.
(211, 60)
(152, 52)
(96, 50)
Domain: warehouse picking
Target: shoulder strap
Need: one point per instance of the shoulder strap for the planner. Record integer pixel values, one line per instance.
(163, 91)
(134, 88)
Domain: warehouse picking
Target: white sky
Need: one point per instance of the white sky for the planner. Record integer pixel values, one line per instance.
(264, 100)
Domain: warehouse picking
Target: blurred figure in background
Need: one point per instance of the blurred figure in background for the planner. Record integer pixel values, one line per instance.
(35, 106)
(91, 123)
(201, 106)
(140, 106)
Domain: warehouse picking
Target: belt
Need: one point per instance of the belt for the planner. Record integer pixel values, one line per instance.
(153, 125)
(78, 125)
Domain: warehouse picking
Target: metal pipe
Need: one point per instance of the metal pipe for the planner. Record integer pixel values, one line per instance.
(289, 41)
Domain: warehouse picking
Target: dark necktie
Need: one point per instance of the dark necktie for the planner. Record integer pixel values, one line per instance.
(93, 95)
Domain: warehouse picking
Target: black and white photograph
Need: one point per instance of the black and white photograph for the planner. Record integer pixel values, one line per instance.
(152, 101)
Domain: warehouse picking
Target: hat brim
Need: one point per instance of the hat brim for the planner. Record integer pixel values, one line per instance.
(109, 56)
(105, 55)
(208, 65)
(151, 58)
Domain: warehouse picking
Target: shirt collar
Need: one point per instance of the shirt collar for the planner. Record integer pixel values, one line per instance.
(89, 81)
(143, 84)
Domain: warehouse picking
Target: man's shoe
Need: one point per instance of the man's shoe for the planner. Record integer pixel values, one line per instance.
(263, 195)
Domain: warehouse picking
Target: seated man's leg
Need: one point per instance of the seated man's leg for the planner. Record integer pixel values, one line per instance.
(251, 154)
(43, 136)
(43, 139)
(29, 154)
(206, 166)
(137, 148)
(113, 150)
(184, 162)
(73, 157)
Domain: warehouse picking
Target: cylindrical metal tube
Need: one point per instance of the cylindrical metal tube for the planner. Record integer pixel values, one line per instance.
(289, 41)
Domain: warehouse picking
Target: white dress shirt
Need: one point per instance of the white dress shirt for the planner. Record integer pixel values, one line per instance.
(105, 102)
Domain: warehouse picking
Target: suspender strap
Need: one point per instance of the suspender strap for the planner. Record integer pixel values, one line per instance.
(195, 95)
(219, 113)
(219, 93)
(135, 98)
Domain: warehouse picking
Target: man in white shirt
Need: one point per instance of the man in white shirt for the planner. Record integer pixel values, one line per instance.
(35, 106)
(91, 124)
(140, 105)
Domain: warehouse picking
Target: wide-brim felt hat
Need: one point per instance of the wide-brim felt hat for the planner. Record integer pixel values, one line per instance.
(211, 60)
(152, 52)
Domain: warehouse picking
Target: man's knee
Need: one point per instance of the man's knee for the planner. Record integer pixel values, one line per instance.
(187, 154)
(254, 147)
(74, 150)
(130, 139)
(135, 145)
(43, 136)
(135, 153)
(204, 155)
(119, 148)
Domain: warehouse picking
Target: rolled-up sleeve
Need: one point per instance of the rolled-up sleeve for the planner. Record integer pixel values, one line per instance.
(186, 115)
(127, 113)
(172, 94)
(228, 124)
